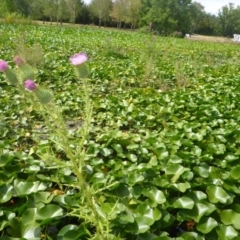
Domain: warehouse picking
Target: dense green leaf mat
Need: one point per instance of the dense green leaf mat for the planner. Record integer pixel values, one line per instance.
(165, 136)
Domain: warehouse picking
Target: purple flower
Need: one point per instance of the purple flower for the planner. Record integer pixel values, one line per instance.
(78, 59)
(30, 85)
(18, 60)
(3, 66)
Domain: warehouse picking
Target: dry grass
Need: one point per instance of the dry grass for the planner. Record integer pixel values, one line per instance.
(197, 37)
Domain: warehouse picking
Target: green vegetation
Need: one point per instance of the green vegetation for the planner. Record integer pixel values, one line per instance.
(161, 157)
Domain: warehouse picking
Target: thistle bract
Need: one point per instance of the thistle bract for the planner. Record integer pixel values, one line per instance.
(82, 71)
(11, 76)
(43, 96)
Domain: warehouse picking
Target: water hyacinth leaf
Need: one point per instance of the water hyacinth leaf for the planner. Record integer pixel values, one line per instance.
(20, 230)
(156, 195)
(226, 232)
(177, 170)
(217, 148)
(132, 157)
(206, 225)
(230, 217)
(196, 151)
(147, 236)
(161, 153)
(195, 213)
(217, 194)
(134, 178)
(143, 224)
(31, 231)
(28, 217)
(184, 202)
(211, 207)
(126, 218)
(106, 152)
(66, 200)
(235, 172)
(202, 171)
(66, 229)
(5, 193)
(153, 161)
(153, 213)
(25, 188)
(167, 219)
(182, 187)
(191, 236)
(49, 211)
(5, 158)
(117, 147)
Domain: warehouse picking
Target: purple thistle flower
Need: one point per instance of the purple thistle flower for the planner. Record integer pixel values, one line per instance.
(30, 85)
(3, 66)
(18, 60)
(78, 58)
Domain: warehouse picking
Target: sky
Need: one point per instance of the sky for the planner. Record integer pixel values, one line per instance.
(211, 6)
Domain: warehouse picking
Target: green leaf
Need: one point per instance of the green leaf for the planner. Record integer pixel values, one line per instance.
(217, 194)
(5, 158)
(226, 232)
(25, 188)
(5, 193)
(182, 187)
(143, 224)
(206, 225)
(49, 211)
(235, 172)
(176, 170)
(156, 195)
(230, 217)
(126, 218)
(184, 202)
(132, 157)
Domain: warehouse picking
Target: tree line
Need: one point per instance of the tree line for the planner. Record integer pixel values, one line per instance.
(162, 17)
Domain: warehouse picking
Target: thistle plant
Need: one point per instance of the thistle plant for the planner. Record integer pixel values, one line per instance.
(42, 100)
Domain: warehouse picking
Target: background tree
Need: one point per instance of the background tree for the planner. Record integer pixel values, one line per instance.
(229, 18)
(6, 6)
(74, 8)
(118, 12)
(101, 9)
(132, 12)
(197, 14)
(49, 9)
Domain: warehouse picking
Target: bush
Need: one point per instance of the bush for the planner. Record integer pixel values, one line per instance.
(11, 18)
(177, 34)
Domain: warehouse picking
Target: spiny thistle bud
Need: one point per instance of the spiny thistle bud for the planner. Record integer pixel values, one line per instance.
(43, 95)
(18, 60)
(27, 72)
(11, 76)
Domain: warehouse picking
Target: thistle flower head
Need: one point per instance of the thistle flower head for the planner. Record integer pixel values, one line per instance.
(3, 66)
(30, 85)
(78, 58)
(18, 60)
